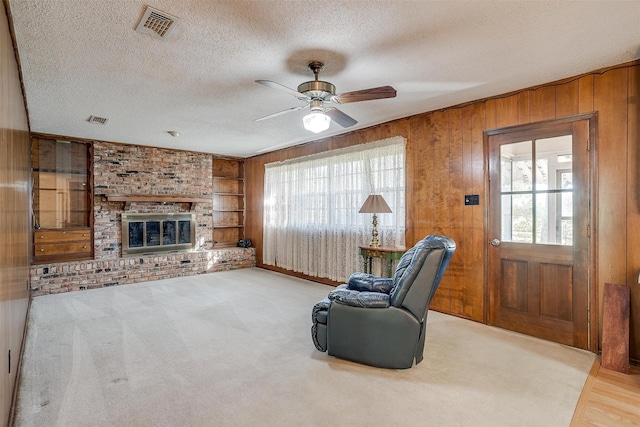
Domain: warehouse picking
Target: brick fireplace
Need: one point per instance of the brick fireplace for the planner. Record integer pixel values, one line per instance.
(131, 169)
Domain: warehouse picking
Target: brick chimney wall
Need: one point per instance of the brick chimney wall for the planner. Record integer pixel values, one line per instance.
(132, 169)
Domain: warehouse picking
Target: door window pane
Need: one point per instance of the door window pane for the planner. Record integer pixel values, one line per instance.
(565, 220)
(516, 173)
(566, 206)
(506, 218)
(542, 174)
(566, 232)
(517, 222)
(506, 170)
(555, 153)
(542, 218)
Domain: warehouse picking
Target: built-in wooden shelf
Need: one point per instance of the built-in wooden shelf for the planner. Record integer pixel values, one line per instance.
(228, 202)
(128, 198)
(232, 178)
(61, 174)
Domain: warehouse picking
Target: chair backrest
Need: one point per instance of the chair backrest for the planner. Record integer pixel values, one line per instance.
(419, 272)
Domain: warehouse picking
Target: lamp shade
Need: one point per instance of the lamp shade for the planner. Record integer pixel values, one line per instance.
(316, 121)
(375, 204)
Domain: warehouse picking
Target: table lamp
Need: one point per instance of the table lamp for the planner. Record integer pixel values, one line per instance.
(375, 204)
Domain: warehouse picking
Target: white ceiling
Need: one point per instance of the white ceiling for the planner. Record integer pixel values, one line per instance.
(82, 57)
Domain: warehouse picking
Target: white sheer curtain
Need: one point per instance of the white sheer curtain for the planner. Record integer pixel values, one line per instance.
(311, 219)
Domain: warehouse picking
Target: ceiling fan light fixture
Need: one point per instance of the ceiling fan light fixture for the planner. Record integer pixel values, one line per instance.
(316, 93)
(316, 121)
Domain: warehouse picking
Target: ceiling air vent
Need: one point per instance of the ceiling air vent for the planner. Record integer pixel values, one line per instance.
(97, 120)
(156, 24)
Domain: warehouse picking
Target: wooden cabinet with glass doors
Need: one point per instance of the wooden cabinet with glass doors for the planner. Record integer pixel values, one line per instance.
(228, 202)
(62, 201)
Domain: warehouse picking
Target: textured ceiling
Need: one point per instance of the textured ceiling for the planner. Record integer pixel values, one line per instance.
(82, 57)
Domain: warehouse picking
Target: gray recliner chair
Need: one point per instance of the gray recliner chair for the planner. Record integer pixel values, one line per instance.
(378, 321)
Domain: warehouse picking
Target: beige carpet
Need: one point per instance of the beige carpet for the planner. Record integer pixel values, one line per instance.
(234, 349)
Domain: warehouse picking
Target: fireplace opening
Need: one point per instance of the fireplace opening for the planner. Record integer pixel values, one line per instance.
(150, 233)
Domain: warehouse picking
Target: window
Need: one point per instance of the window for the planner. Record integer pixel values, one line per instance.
(537, 201)
(311, 219)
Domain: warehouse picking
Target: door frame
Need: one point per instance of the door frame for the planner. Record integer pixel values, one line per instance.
(592, 286)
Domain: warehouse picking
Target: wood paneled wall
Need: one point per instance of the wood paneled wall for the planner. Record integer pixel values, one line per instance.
(15, 227)
(446, 160)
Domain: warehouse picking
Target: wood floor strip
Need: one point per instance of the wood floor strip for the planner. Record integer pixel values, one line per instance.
(609, 398)
(581, 407)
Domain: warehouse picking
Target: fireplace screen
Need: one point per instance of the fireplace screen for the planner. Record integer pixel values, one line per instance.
(149, 233)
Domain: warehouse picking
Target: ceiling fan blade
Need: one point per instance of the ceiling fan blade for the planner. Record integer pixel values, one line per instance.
(340, 118)
(279, 113)
(278, 86)
(366, 95)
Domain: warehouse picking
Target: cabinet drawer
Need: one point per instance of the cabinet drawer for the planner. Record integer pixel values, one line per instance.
(57, 236)
(62, 248)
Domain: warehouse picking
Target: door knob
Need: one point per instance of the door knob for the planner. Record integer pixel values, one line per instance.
(495, 242)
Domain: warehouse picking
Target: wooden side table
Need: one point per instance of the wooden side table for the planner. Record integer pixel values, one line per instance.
(389, 254)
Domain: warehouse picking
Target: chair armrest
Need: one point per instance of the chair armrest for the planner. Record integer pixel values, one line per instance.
(320, 306)
(369, 283)
(359, 299)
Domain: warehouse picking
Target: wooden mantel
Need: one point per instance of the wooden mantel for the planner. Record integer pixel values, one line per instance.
(151, 198)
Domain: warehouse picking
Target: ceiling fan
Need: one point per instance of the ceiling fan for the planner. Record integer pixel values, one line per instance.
(317, 93)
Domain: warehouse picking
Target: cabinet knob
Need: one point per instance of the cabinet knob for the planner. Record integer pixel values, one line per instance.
(84, 247)
(42, 237)
(41, 250)
(84, 235)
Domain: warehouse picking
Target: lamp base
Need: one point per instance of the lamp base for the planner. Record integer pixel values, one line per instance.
(374, 233)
